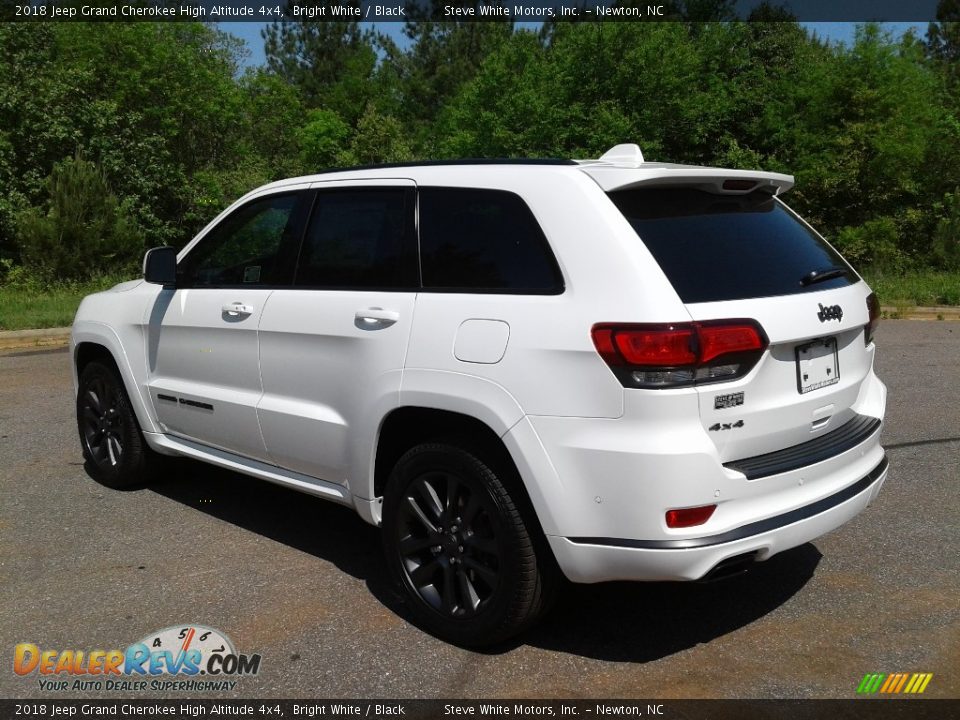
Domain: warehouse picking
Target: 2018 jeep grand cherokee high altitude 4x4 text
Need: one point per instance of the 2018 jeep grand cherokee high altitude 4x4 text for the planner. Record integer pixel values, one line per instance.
(613, 369)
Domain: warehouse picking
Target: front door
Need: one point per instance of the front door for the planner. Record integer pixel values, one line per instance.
(202, 344)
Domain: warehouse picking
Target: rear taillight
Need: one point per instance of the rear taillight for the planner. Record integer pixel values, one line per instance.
(679, 354)
(873, 309)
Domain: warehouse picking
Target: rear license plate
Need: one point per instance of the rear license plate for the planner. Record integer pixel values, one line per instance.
(817, 365)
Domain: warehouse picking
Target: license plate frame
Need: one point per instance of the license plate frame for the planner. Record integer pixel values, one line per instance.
(818, 364)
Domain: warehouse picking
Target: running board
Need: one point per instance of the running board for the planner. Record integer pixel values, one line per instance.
(254, 468)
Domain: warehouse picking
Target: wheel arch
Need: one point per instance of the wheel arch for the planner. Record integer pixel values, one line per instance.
(408, 426)
(100, 343)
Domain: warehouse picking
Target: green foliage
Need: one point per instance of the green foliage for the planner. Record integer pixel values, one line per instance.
(442, 57)
(946, 236)
(873, 244)
(330, 62)
(84, 232)
(267, 134)
(871, 130)
(915, 288)
(379, 138)
(943, 36)
(26, 302)
(322, 140)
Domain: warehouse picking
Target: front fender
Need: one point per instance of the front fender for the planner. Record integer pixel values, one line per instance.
(98, 333)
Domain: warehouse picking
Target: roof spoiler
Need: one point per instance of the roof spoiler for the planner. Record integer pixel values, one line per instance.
(623, 166)
(713, 180)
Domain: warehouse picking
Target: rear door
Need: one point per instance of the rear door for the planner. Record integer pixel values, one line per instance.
(332, 346)
(746, 255)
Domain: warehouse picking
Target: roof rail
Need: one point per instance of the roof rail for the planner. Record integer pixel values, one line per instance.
(462, 161)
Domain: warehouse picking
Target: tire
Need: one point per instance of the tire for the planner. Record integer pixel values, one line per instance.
(110, 436)
(458, 547)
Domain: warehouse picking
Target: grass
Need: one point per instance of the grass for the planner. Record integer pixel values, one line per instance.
(31, 305)
(916, 289)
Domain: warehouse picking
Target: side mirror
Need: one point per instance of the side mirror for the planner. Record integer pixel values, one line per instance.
(160, 266)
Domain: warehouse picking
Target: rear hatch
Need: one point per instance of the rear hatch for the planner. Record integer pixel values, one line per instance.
(744, 256)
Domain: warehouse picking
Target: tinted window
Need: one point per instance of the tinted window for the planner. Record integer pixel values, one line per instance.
(724, 247)
(483, 240)
(253, 246)
(360, 238)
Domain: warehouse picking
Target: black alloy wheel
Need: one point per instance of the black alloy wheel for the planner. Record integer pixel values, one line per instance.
(110, 437)
(449, 545)
(458, 547)
(101, 423)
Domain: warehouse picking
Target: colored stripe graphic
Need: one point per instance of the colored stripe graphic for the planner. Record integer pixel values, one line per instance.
(918, 683)
(907, 683)
(870, 683)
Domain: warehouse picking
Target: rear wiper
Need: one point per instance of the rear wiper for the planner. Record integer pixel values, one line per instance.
(815, 276)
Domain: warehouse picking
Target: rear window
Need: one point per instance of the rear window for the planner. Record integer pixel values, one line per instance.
(728, 247)
(483, 241)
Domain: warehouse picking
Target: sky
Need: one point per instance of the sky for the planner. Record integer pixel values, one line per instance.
(832, 31)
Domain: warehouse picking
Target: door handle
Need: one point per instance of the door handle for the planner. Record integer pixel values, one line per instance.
(376, 318)
(236, 309)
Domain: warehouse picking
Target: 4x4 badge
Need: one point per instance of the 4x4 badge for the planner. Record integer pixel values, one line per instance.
(725, 426)
(833, 312)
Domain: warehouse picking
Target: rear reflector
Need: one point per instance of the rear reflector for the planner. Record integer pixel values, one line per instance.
(678, 354)
(689, 517)
(873, 309)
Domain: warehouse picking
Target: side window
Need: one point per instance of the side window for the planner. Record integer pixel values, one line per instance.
(360, 238)
(474, 239)
(255, 245)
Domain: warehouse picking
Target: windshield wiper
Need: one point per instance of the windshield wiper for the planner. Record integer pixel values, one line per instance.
(815, 276)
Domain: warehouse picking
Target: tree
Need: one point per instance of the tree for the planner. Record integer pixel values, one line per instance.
(943, 36)
(323, 140)
(441, 58)
(379, 139)
(152, 104)
(331, 63)
(84, 231)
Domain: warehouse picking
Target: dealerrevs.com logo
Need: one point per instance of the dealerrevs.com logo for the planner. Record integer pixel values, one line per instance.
(181, 657)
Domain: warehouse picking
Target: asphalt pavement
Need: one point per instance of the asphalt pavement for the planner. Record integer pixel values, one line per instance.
(302, 582)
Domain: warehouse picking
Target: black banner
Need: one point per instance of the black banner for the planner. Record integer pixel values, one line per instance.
(188, 709)
(467, 10)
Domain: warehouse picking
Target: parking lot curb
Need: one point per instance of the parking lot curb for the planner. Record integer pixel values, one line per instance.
(936, 312)
(43, 338)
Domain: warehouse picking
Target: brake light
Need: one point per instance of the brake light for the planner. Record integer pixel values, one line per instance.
(741, 185)
(873, 309)
(689, 517)
(679, 354)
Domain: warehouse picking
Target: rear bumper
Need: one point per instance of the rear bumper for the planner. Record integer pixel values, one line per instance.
(596, 559)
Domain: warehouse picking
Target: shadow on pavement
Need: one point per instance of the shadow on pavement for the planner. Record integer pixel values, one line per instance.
(640, 622)
(625, 622)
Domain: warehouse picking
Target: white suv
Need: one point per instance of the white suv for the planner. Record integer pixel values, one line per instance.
(617, 369)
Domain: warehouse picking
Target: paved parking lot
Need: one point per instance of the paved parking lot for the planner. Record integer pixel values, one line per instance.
(302, 582)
